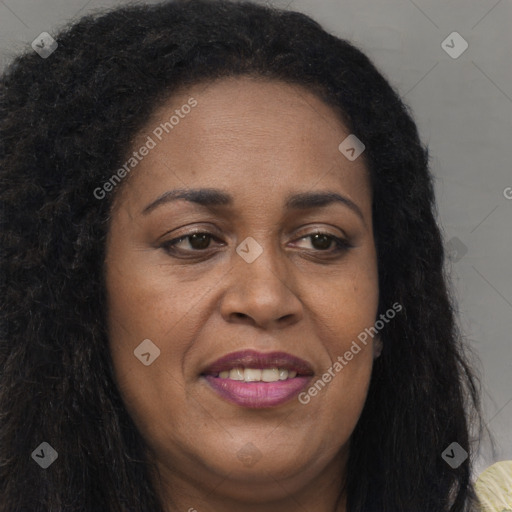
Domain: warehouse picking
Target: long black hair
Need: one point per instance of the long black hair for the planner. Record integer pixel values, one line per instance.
(66, 124)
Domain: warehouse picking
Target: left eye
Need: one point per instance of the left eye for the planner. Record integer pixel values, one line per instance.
(324, 241)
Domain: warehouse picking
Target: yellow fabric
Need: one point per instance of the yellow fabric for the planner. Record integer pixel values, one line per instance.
(494, 487)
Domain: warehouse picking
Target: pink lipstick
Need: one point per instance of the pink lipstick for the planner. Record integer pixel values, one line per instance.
(258, 380)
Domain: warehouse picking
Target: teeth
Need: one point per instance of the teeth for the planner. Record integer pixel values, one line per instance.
(251, 375)
(236, 374)
(258, 375)
(270, 375)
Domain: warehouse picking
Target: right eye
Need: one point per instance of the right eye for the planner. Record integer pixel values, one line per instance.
(197, 242)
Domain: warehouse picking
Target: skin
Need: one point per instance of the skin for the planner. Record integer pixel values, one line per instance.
(259, 140)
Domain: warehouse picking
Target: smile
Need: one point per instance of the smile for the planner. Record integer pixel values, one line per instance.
(257, 380)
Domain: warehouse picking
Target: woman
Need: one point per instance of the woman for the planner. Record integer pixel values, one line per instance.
(224, 280)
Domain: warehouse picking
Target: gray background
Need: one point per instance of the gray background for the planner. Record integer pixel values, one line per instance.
(463, 108)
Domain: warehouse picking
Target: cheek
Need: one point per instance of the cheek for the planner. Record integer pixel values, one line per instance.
(335, 398)
(346, 304)
(142, 303)
(142, 307)
(145, 302)
(138, 309)
(346, 310)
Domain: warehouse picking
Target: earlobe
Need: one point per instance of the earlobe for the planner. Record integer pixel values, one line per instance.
(377, 347)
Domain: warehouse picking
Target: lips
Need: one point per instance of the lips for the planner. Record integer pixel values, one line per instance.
(253, 359)
(224, 377)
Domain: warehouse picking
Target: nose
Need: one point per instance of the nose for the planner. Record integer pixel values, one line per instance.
(261, 293)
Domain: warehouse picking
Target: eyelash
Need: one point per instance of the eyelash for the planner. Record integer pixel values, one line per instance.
(341, 245)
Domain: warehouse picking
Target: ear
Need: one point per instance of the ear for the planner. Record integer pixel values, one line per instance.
(377, 347)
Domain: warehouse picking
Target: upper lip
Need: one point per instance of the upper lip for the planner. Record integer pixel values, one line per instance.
(254, 359)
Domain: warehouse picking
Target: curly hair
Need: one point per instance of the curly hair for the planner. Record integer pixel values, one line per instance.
(68, 121)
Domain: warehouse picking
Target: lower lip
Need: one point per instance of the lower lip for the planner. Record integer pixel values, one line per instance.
(257, 395)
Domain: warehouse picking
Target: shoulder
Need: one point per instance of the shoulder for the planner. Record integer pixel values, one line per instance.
(494, 487)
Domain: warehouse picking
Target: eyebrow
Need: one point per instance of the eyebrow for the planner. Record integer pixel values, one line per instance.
(211, 198)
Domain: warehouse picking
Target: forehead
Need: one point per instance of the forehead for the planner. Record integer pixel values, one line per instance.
(245, 134)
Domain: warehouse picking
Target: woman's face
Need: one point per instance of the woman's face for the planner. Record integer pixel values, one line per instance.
(258, 281)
